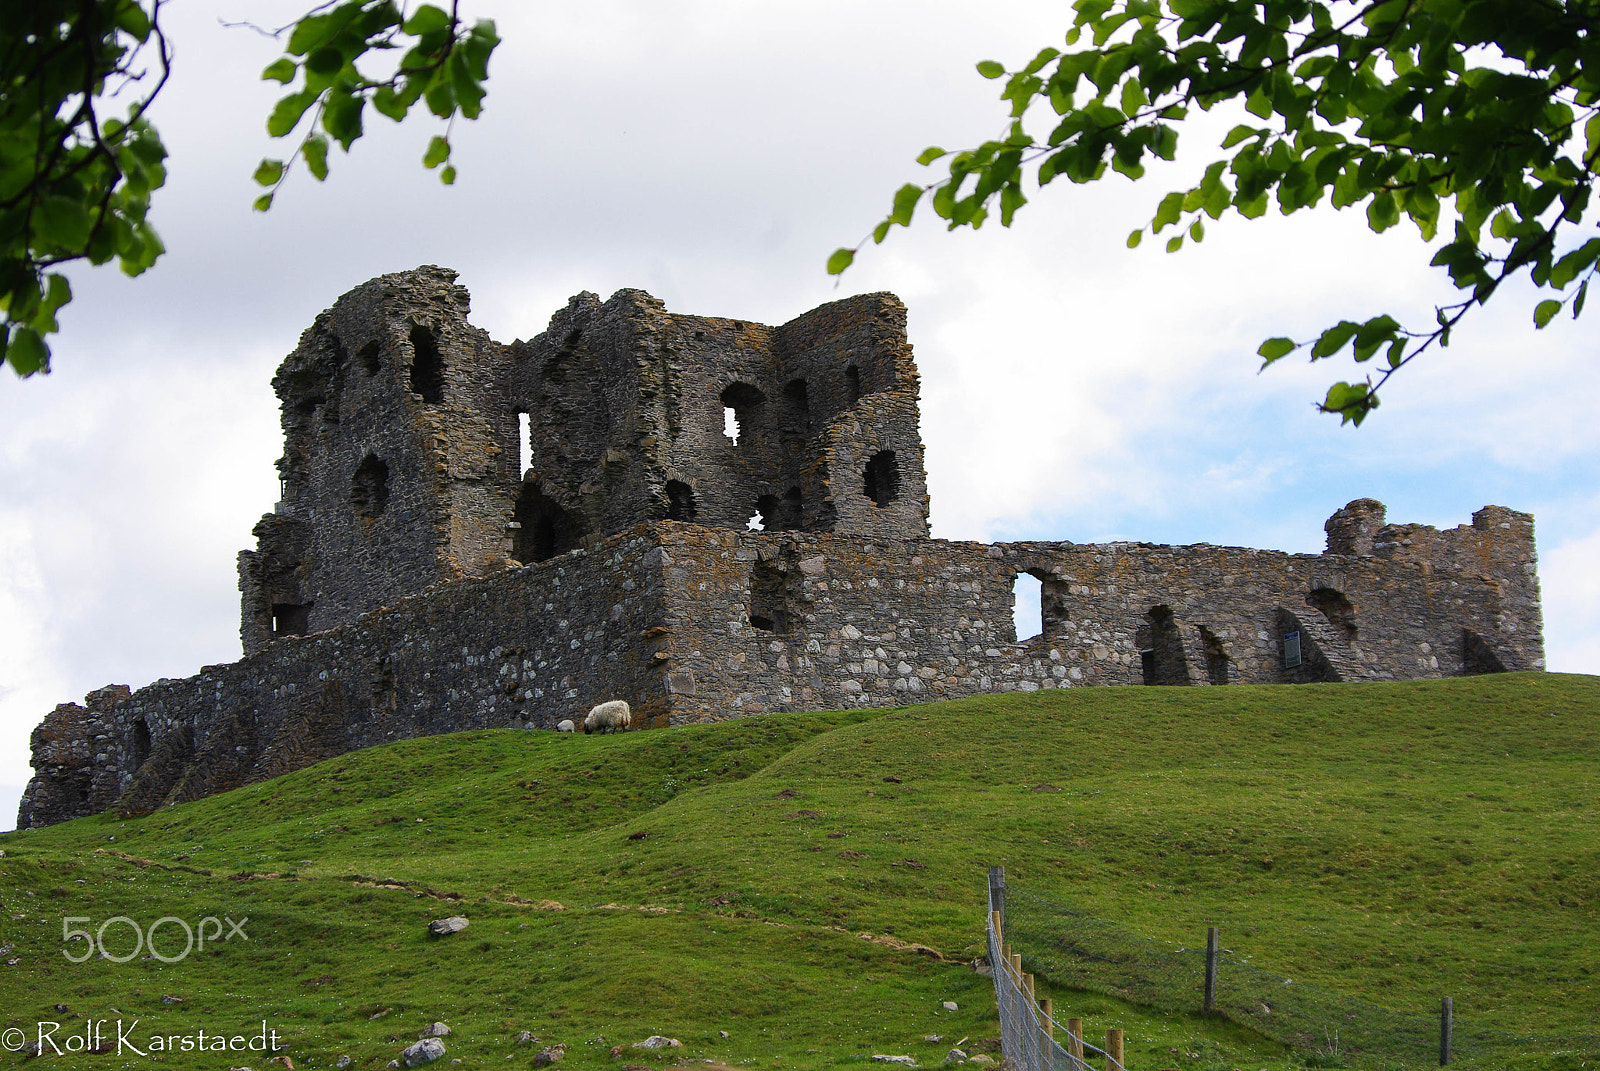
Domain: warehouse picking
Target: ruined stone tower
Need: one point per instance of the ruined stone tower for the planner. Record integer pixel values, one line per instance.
(714, 519)
(404, 428)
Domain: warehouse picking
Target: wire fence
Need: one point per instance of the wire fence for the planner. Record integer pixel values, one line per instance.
(1078, 951)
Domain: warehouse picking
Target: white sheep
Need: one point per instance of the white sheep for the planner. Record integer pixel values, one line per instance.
(608, 717)
(565, 725)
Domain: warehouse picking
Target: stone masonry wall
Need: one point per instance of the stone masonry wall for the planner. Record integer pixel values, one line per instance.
(524, 648)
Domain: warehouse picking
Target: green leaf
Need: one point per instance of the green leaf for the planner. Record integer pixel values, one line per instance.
(263, 202)
(325, 61)
(282, 70)
(905, 203)
(448, 175)
(991, 69)
(133, 20)
(1544, 312)
(1135, 238)
(27, 353)
(1275, 348)
(286, 114)
(315, 151)
(1197, 230)
(427, 19)
(1352, 401)
(1333, 339)
(1169, 212)
(269, 173)
(930, 154)
(840, 260)
(438, 152)
(1239, 133)
(1577, 302)
(1174, 244)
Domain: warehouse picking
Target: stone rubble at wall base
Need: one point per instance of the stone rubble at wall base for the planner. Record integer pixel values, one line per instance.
(388, 596)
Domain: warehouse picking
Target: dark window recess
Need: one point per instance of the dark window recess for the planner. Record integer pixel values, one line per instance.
(769, 507)
(852, 385)
(291, 619)
(427, 366)
(369, 488)
(745, 403)
(547, 529)
(882, 483)
(797, 404)
(680, 501)
(769, 598)
(369, 359)
(141, 743)
(1161, 648)
(1477, 656)
(1336, 608)
(1291, 651)
(1216, 656)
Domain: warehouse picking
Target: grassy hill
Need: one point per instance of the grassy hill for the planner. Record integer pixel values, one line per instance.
(768, 878)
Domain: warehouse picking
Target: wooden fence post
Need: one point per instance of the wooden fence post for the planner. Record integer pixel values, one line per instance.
(1114, 1049)
(1075, 1043)
(1211, 969)
(1047, 1006)
(1447, 1017)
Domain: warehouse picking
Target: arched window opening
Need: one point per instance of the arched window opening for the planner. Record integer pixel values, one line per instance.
(882, 478)
(756, 523)
(1161, 648)
(852, 384)
(769, 609)
(427, 366)
(548, 529)
(1217, 659)
(525, 437)
(680, 501)
(141, 742)
(791, 512)
(369, 488)
(1027, 609)
(368, 358)
(1336, 608)
(741, 410)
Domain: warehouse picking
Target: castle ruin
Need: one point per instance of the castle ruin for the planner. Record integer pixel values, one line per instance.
(716, 518)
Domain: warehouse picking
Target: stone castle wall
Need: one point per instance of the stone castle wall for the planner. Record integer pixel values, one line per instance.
(417, 577)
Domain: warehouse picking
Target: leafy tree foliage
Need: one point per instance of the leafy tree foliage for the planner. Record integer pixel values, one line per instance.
(1477, 117)
(76, 185)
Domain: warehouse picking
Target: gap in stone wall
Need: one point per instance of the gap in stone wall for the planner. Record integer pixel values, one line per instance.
(1027, 609)
(525, 436)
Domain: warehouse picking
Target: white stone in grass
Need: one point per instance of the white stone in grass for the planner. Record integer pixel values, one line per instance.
(908, 1060)
(445, 927)
(437, 1030)
(950, 1005)
(656, 1041)
(342, 1062)
(422, 1052)
(956, 1057)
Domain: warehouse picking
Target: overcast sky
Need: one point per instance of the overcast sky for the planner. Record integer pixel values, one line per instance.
(714, 152)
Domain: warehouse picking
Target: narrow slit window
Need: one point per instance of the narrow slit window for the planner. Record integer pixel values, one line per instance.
(525, 436)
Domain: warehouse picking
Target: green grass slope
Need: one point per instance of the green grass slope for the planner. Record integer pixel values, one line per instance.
(1397, 843)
